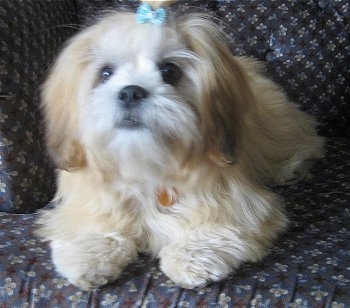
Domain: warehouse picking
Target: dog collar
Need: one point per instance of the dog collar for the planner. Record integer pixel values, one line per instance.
(166, 197)
(145, 14)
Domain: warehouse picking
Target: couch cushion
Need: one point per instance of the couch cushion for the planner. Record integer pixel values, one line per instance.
(305, 44)
(308, 266)
(31, 33)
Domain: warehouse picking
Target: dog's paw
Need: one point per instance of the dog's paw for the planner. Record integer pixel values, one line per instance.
(293, 172)
(191, 269)
(91, 261)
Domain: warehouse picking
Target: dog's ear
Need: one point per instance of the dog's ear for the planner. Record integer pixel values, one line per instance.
(225, 91)
(60, 94)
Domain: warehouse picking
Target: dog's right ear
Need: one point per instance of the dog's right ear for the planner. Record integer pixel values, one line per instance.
(60, 94)
(225, 91)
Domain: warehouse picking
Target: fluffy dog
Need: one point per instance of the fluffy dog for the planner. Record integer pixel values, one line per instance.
(164, 143)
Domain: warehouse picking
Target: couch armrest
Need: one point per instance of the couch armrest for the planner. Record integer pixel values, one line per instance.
(31, 33)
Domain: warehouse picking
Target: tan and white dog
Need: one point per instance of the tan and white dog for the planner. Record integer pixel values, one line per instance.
(164, 142)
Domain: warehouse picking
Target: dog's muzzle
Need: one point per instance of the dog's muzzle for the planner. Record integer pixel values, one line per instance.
(130, 97)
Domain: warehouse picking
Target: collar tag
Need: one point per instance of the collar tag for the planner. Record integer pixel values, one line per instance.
(167, 197)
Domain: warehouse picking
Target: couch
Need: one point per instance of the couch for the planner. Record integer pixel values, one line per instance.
(306, 47)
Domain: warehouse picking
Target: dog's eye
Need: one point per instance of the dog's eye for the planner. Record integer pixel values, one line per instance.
(106, 72)
(171, 73)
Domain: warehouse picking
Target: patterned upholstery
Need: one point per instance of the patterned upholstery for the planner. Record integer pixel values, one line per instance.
(31, 33)
(305, 44)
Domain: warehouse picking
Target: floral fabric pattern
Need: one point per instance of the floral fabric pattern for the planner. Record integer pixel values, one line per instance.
(32, 31)
(309, 266)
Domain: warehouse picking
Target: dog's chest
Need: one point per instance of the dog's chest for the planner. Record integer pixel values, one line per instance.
(164, 218)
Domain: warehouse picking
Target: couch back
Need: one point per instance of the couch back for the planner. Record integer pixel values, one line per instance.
(31, 32)
(305, 44)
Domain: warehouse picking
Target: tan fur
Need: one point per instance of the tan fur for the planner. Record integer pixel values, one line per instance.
(221, 117)
(59, 99)
(159, 3)
(238, 132)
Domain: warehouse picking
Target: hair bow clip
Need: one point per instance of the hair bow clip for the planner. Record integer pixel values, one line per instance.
(145, 14)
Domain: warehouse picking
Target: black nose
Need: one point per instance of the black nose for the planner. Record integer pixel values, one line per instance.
(131, 96)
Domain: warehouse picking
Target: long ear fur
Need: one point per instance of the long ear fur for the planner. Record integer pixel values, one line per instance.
(60, 105)
(226, 94)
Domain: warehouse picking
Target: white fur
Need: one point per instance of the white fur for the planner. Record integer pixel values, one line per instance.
(107, 207)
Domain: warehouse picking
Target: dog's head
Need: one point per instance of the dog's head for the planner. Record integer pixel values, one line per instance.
(145, 92)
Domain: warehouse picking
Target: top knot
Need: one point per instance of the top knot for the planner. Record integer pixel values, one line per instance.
(158, 4)
(152, 12)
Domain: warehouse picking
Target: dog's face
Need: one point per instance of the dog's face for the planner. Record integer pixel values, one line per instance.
(140, 104)
(145, 95)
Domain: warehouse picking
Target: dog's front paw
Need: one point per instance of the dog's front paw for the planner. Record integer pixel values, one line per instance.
(92, 260)
(191, 269)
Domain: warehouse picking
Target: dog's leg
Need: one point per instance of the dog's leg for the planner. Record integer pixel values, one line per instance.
(207, 254)
(92, 260)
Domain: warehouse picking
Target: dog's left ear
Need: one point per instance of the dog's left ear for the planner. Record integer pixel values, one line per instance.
(59, 103)
(225, 91)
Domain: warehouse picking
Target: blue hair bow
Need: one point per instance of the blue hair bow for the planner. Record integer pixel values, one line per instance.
(145, 14)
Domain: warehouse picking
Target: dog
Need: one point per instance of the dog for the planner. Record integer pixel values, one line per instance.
(165, 143)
